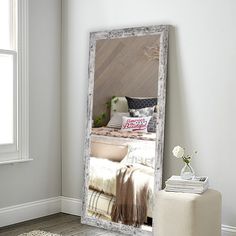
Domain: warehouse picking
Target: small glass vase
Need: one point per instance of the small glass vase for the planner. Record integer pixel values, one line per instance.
(187, 172)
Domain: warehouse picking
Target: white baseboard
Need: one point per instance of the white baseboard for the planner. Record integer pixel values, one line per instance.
(228, 230)
(31, 210)
(71, 206)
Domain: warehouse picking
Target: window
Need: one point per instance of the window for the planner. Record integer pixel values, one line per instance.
(14, 120)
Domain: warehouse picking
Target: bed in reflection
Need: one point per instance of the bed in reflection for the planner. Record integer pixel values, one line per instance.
(122, 162)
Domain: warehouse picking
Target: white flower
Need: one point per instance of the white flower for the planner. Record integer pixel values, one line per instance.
(178, 152)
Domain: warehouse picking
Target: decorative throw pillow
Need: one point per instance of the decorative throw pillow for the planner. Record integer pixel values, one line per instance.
(138, 124)
(116, 120)
(147, 111)
(140, 155)
(152, 124)
(137, 103)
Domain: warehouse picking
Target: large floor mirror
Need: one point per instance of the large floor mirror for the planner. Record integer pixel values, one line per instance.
(125, 128)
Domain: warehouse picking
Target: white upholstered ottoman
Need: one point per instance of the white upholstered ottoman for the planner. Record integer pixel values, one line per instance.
(186, 214)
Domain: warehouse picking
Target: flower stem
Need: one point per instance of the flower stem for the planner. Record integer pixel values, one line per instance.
(186, 160)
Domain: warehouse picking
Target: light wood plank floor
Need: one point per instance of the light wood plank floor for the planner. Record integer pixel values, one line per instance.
(62, 224)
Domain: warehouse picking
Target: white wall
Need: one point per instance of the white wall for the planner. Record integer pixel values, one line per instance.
(201, 105)
(41, 178)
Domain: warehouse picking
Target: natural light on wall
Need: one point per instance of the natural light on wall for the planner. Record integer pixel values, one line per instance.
(13, 80)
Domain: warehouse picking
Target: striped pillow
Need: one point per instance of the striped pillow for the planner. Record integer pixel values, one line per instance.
(100, 203)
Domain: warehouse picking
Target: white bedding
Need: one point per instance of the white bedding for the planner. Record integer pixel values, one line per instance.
(103, 175)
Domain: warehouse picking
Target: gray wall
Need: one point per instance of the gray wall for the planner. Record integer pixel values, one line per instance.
(116, 74)
(201, 104)
(41, 178)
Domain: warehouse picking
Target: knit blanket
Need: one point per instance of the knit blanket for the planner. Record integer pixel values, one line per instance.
(132, 184)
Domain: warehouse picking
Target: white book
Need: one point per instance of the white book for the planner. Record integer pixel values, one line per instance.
(186, 185)
(183, 190)
(196, 185)
(200, 188)
(197, 181)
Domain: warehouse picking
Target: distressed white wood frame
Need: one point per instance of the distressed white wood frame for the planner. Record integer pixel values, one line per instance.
(19, 152)
(161, 30)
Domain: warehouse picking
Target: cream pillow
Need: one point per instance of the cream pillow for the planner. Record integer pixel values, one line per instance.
(116, 120)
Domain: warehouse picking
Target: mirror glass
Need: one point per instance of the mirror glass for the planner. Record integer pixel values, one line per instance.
(127, 68)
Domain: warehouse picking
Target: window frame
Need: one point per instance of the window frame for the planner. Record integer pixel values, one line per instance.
(19, 150)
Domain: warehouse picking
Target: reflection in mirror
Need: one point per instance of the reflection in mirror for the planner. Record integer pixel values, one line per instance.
(121, 155)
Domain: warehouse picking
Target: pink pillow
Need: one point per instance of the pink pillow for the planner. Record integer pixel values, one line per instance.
(138, 124)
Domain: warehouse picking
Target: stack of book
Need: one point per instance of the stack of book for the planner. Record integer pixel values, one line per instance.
(196, 185)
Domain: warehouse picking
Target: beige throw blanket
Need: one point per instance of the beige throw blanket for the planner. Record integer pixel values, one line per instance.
(132, 185)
